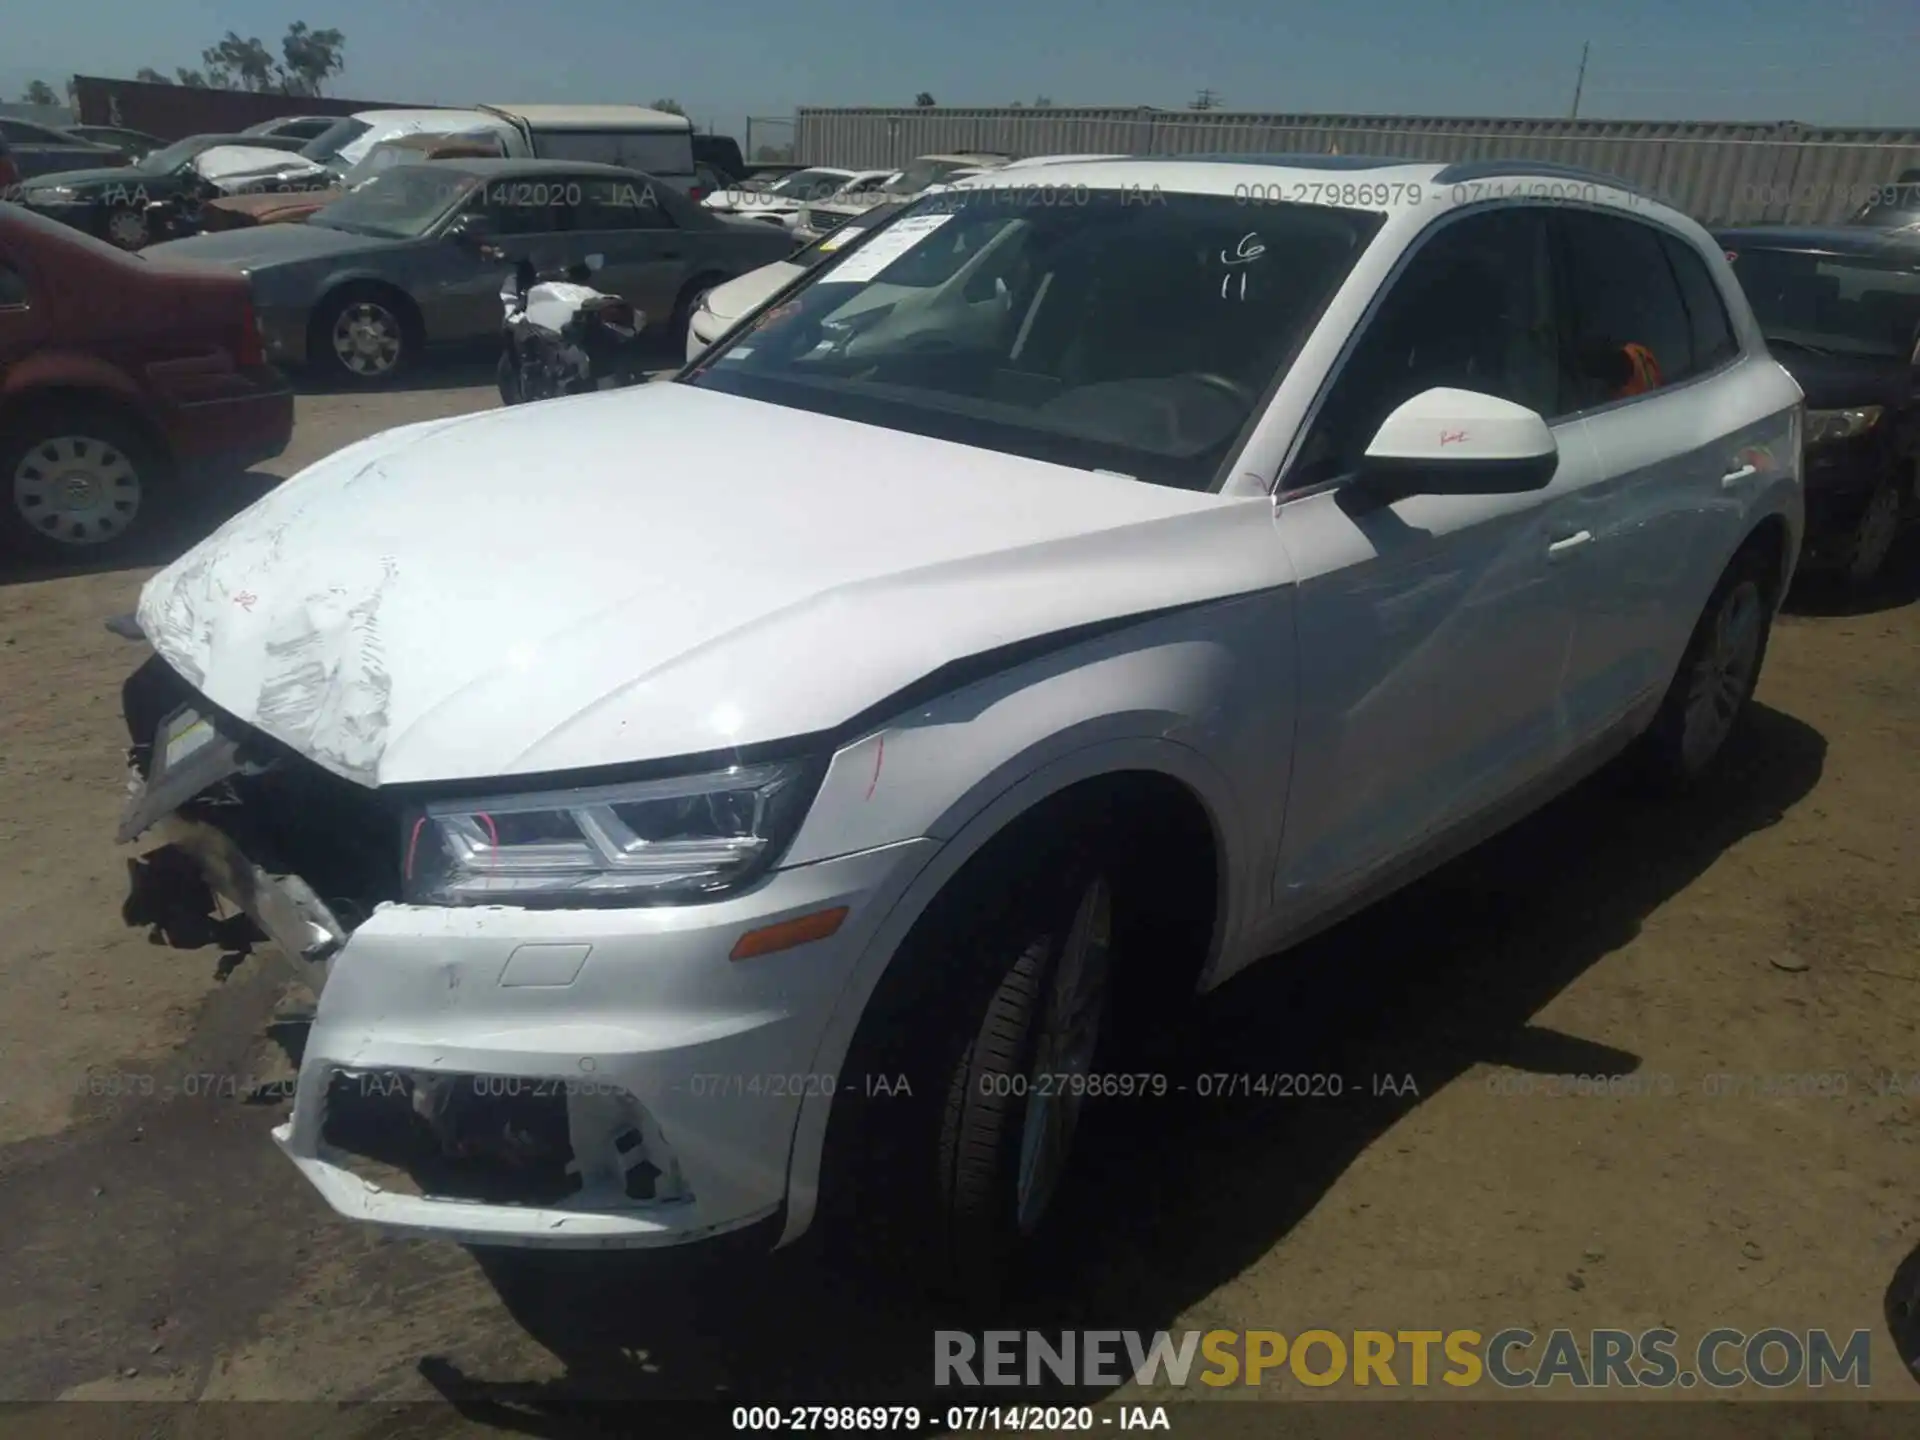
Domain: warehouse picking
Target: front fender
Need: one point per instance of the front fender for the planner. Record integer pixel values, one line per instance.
(1181, 696)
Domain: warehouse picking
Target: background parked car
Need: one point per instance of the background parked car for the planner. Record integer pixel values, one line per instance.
(780, 201)
(297, 127)
(1841, 310)
(237, 212)
(117, 378)
(42, 150)
(132, 143)
(820, 217)
(718, 310)
(111, 202)
(395, 265)
(721, 154)
(1894, 207)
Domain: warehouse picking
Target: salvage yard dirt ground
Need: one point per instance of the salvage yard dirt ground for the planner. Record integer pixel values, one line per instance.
(154, 1244)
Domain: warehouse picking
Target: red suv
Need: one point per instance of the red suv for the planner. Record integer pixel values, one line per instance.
(119, 378)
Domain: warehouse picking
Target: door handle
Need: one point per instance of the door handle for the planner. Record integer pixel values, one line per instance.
(1734, 477)
(1571, 543)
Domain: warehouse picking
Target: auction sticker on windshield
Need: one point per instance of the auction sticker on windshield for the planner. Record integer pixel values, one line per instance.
(885, 248)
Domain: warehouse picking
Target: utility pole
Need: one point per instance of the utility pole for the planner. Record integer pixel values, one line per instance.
(1579, 80)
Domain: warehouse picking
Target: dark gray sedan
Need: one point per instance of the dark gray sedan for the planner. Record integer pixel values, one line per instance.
(411, 257)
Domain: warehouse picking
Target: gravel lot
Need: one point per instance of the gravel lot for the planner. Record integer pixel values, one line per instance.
(156, 1245)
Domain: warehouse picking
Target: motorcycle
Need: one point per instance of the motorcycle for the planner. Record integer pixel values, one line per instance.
(560, 336)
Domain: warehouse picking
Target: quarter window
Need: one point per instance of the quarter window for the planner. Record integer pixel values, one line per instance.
(1630, 332)
(13, 286)
(1707, 322)
(1474, 309)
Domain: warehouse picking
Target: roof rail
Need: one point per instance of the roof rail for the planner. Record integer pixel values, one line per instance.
(1467, 170)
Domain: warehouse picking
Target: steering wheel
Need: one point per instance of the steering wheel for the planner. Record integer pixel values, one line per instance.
(1226, 385)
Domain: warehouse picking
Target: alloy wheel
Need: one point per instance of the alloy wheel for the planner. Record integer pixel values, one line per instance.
(367, 339)
(127, 228)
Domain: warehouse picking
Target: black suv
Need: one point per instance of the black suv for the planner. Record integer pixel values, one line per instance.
(1841, 310)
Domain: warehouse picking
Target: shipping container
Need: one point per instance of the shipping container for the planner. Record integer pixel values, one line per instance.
(174, 112)
(1719, 172)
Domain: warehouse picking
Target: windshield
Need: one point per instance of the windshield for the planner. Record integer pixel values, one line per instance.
(920, 174)
(169, 158)
(327, 145)
(1110, 334)
(401, 203)
(1893, 206)
(1847, 304)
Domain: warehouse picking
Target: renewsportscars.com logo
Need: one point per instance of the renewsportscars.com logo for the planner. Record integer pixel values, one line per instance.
(1511, 1359)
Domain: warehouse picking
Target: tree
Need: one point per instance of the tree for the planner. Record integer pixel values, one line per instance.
(39, 93)
(672, 107)
(239, 64)
(310, 57)
(1042, 102)
(924, 101)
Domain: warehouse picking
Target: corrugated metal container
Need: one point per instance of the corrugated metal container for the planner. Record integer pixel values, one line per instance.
(1720, 172)
(174, 112)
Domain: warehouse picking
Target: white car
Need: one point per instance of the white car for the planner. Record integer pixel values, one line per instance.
(780, 201)
(1086, 601)
(818, 217)
(720, 308)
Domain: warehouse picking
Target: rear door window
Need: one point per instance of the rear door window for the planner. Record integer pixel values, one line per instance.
(613, 204)
(1630, 333)
(531, 204)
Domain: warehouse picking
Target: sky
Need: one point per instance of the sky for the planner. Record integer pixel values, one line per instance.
(1831, 62)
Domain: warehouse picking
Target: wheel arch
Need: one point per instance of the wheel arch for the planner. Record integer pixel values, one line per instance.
(99, 388)
(1160, 778)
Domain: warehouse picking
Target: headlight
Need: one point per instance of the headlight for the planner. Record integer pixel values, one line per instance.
(1824, 426)
(650, 843)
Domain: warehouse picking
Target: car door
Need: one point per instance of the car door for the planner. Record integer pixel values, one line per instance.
(530, 215)
(1433, 631)
(627, 221)
(1676, 440)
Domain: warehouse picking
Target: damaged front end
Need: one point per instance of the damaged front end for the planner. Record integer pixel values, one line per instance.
(302, 853)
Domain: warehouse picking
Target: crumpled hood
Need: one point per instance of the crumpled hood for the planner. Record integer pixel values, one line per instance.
(592, 581)
(735, 298)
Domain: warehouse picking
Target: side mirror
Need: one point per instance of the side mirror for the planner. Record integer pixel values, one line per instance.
(1460, 442)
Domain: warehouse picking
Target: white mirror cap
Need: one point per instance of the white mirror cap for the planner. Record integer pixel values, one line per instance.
(1446, 425)
(594, 262)
(639, 320)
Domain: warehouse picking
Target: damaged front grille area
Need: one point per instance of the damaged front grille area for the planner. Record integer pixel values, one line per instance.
(498, 1139)
(284, 813)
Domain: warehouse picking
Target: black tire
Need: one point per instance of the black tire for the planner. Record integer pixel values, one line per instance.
(922, 1180)
(1664, 756)
(388, 310)
(36, 519)
(126, 228)
(1865, 552)
(683, 308)
(508, 378)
